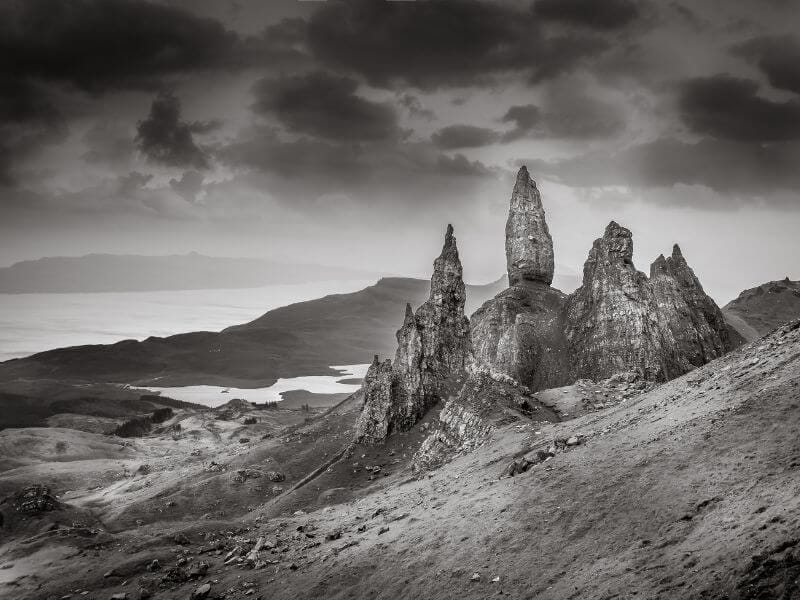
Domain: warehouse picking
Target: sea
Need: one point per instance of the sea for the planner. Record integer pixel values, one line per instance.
(31, 323)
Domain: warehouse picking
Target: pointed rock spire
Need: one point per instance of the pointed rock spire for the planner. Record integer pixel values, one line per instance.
(529, 247)
(447, 282)
(433, 346)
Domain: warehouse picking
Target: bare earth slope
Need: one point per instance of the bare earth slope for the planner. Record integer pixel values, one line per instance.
(760, 309)
(691, 490)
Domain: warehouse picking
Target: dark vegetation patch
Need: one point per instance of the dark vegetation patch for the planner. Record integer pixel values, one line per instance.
(141, 426)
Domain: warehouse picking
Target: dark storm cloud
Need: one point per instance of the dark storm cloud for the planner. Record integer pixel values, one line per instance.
(778, 58)
(725, 166)
(304, 168)
(574, 115)
(727, 107)
(29, 118)
(605, 15)
(464, 136)
(432, 45)
(166, 139)
(101, 44)
(524, 117)
(325, 105)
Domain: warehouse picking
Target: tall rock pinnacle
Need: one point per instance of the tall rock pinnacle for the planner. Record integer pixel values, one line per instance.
(433, 346)
(529, 247)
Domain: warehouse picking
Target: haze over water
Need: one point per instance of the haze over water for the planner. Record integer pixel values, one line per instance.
(31, 323)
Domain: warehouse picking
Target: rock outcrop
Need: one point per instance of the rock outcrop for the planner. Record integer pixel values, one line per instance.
(373, 422)
(467, 419)
(433, 347)
(520, 334)
(620, 320)
(529, 247)
(532, 337)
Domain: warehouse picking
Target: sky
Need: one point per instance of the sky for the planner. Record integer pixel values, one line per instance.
(350, 132)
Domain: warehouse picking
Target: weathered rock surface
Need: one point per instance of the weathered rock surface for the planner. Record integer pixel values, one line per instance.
(373, 422)
(520, 334)
(467, 419)
(433, 346)
(529, 247)
(619, 320)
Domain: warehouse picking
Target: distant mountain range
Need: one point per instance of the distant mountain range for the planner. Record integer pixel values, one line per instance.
(131, 273)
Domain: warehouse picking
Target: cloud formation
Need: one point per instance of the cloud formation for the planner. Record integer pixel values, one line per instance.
(395, 44)
(606, 15)
(778, 58)
(736, 169)
(325, 105)
(731, 108)
(166, 139)
(464, 136)
(98, 45)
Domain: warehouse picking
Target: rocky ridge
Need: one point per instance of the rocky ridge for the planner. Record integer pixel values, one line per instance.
(621, 320)
(532, 337)
(433, 346)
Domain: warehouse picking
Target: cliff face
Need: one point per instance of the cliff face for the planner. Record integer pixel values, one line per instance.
(433, 346)
(529, 247)
(520, 334)
(620, 320)
(610, 324)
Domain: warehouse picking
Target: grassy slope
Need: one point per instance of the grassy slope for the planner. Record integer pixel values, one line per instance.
(760, 309)
(689, 491)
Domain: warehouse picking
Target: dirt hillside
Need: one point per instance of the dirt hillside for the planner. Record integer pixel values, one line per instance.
(691, 490)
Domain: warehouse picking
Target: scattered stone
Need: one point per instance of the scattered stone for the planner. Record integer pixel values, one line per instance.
(573, 441)
(475, 577)
(201, 592)
(36, 498)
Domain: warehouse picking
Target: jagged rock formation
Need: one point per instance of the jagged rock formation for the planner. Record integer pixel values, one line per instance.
(433, 346)
(519, 332)
(619, 320)
(529, 247)
(532, 337)
(373, 423)
(467, 419)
